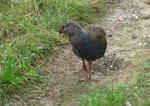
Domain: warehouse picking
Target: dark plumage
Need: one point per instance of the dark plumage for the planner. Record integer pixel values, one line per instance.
(88, 43)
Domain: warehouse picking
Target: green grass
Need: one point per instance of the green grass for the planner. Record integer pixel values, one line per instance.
(136, 93)
(106, 96)
(28, 32)
(35, 15)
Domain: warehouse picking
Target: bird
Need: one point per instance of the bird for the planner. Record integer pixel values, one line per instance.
(88, 43)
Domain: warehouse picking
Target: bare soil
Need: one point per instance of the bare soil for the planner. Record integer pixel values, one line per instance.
(129, 23)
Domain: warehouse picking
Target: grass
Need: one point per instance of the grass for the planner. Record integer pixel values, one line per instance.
(106, 96)
(28, 32)
(136, 93)
(48, 15)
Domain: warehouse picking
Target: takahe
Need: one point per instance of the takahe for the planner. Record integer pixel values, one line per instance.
(88, 43)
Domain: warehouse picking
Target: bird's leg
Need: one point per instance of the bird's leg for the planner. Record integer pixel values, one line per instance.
(83, 69)
(87, 71)
(88, 77)
(84, 66)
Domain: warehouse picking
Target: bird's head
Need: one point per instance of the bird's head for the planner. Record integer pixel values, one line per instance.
(69, 28)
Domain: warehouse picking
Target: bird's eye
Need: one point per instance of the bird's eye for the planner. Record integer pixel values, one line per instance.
(67, 26)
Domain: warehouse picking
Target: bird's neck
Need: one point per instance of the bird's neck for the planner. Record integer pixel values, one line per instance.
(76, 39)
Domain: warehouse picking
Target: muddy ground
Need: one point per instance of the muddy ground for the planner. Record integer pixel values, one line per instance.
(129, 23)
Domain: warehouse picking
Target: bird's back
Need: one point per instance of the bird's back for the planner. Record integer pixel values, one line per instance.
(96, 34)
(97, 37)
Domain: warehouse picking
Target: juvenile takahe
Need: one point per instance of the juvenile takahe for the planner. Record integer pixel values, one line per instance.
(88, 43)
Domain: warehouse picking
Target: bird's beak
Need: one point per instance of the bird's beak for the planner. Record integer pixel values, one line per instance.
(61, 30)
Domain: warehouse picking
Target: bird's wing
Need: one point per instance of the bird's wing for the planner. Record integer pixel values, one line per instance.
(95, 34)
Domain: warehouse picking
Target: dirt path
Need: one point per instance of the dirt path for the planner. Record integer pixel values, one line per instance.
(129, 23)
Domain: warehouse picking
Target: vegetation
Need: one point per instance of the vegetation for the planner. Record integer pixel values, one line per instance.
(137, 92)
(28, 32)
(108, 96)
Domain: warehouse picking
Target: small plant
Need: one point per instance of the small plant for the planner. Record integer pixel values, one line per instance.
(146, 64)
(136, 94)
(107, 96)
(139, 93)
(28, 32)
(143, 79)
